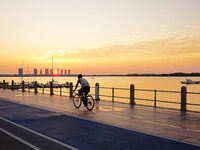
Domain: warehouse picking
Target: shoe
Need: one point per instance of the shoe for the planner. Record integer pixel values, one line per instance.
(85, 104)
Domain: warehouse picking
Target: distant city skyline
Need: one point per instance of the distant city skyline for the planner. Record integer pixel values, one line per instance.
(100, 36)
(44, 71)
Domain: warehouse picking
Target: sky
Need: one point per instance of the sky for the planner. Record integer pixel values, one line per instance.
(100, 36)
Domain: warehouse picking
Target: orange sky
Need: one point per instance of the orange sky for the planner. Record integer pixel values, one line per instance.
(101, 37)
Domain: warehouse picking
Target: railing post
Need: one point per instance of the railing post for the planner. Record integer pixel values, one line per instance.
(60, 90)
(51, 88)
(23, 90)
(35, 87)
(113, 94)
(43, 90)
(4, 84)
(97, 91)
(132, 94)
(12, 85)
(183, 99)
(154, 98)
(70, 89)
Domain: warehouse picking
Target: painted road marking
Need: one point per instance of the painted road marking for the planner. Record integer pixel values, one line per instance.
(21, 140)
(37, 133)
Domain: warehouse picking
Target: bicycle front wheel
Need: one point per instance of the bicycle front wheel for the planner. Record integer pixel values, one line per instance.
(77, 101)
(90, 102)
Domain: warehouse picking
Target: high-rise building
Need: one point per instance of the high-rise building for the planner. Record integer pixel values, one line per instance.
(51, 72)
(46, 71)
(35, 72)
(61, 72)
(65, 71)
(20, 71)
(40, 71)
(69, 72)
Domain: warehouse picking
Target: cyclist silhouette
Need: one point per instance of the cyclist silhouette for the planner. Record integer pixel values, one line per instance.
(85, 88)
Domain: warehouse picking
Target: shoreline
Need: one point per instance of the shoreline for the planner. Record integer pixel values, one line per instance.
(111, 75)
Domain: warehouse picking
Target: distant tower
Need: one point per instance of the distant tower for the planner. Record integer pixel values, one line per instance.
(40, 71)
(69, 72)
(20, 71)
(61, 72)
(58, 71)
(51, 72)
(65, 71)
(46, 71)
(35, 72)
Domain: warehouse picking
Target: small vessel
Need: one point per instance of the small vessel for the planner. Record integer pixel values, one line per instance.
(189, 81)
(55, 84)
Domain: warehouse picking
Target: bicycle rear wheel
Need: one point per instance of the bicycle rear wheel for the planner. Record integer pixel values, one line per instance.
(77, 101)
(90, 102)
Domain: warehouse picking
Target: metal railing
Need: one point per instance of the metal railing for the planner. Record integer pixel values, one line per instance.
(131, 99)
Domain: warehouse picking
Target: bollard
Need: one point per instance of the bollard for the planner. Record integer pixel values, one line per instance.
(60, 90)
(132, 94)
(113, 94)
(23, 90)
(183, 99)
(12, 85)
(51, 88)
(97, 91)
(35, 87)
(29, 90)
(4, 84)
(71, 89)
(155, 98)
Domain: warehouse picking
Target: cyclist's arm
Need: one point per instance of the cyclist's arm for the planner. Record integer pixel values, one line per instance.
(76, 85)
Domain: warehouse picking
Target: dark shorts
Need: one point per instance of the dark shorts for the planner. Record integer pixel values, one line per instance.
(85, 90)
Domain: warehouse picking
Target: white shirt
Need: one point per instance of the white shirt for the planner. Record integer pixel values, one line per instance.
(84, 82)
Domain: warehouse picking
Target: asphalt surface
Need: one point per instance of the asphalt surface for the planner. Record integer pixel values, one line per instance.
(14, 137)
(8, 143)
(80, 133)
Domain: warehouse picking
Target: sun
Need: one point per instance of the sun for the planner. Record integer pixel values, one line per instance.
(56, 72)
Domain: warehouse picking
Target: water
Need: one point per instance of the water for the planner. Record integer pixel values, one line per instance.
(150, 83)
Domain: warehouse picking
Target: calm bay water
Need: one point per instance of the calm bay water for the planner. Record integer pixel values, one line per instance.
(150, 83)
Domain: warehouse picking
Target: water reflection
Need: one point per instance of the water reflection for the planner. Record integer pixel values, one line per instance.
(107, 108)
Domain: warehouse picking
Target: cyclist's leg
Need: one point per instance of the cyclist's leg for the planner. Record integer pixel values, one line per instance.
(80, 91)
(86, 90)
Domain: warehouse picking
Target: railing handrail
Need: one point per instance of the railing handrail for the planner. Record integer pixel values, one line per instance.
(35, 88)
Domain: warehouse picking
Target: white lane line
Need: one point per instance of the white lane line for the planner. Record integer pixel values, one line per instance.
(21, 140)
(37, 133)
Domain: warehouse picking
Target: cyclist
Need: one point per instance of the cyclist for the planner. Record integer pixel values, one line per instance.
(85, 88)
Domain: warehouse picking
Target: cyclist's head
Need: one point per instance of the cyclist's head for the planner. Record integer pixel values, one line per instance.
(80, 76)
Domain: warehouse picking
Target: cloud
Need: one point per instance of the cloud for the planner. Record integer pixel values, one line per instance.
(171, 47)
(157, 55)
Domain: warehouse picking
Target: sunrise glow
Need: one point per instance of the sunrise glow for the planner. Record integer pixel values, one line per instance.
(100, 36)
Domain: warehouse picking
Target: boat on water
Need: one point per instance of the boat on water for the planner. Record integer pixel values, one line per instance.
(189, 81)
(46, 85)
(57, 85)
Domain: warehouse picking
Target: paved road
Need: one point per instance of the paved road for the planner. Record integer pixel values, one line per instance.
(16, 137)
(80, 133)
(7, 142)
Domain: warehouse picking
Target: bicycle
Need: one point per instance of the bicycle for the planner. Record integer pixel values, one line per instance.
(79, 98)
